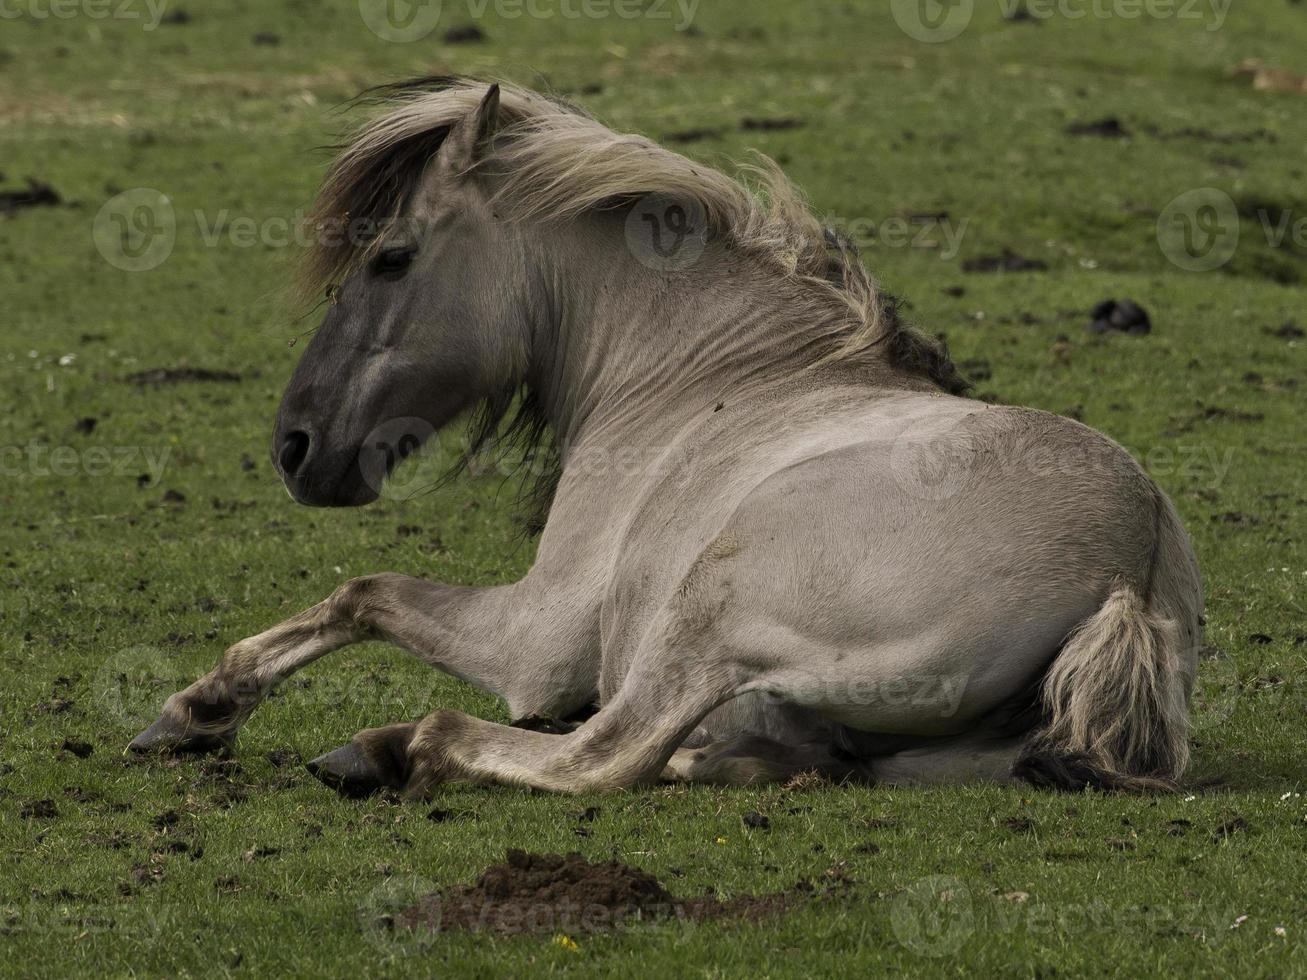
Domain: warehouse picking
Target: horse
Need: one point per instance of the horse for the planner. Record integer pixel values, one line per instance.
(775, 536)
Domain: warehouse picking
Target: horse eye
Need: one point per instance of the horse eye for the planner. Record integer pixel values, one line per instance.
(394, 260)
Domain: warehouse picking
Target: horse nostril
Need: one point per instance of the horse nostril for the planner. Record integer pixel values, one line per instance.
(294, 450)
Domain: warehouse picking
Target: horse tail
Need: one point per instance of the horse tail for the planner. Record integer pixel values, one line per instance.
(1115, 700)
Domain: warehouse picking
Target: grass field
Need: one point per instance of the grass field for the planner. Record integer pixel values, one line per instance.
(135, 547)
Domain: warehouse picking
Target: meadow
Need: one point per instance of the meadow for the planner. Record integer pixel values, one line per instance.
(1005, 173)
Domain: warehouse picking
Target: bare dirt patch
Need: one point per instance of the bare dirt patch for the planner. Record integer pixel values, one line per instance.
(556, 893)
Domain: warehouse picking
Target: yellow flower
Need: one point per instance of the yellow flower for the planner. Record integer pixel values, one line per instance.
(721, 840)
(567, 942)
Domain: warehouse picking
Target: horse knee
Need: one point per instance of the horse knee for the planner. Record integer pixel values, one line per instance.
(358, 600)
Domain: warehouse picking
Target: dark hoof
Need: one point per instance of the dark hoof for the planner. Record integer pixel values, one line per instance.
(166, 735)
(350, 771)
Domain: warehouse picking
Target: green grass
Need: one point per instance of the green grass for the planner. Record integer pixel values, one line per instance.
(110, 597)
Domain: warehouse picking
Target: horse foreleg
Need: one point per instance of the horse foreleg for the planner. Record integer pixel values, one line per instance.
(494, 638)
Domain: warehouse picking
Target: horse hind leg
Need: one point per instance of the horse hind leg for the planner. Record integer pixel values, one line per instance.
(626, 744)
(683, 670)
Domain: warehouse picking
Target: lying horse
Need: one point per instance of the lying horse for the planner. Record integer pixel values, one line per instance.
(823, 557)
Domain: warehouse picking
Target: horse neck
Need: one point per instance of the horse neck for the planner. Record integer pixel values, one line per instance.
(616, 344)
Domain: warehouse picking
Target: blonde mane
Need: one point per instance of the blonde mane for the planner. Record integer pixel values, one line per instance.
(554, 161)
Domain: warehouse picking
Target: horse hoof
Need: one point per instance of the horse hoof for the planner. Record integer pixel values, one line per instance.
(166, 735)
(350, 772)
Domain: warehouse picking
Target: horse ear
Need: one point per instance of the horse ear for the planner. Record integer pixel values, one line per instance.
(470, 137)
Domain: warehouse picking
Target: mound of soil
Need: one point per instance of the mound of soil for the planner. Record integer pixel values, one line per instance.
(553, 893)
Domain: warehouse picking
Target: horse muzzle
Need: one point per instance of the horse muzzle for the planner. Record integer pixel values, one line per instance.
(320, 476)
